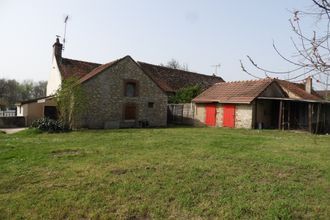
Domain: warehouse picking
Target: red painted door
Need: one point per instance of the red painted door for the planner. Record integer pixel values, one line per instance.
(210, 114)
(229, 116)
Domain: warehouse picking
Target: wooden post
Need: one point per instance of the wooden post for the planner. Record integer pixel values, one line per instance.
(255, 124)
(289, 109)
(310, 115)
(283, 116)
(280, 115)
(318, 117)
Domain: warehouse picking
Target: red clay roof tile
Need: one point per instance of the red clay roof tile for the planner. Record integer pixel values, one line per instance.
(247, 91)
(234, 92)
(299, 90)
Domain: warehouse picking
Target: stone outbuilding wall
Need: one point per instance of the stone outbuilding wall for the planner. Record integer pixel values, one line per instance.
(243, 115)
(106, 97)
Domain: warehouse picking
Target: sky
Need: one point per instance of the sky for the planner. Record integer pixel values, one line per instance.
(197, 33)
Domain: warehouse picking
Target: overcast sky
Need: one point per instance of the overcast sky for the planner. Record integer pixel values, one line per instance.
(196, 33)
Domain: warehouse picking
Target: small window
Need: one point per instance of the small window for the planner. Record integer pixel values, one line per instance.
(150, 104)
(130, 112)
(131, 89)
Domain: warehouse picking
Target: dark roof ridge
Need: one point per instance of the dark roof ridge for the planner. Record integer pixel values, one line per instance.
(81, 61)
(187, 71)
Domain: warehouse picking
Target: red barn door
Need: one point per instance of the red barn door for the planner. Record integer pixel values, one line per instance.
(229, 116)
(210, 116)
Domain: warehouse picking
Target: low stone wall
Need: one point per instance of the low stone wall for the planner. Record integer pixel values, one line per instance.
(12, 122)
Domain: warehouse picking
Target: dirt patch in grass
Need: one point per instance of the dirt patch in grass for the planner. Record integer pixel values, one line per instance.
(118, 171)
(66, 152)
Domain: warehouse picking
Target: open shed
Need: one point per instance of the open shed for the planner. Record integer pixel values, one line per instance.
(264, 104)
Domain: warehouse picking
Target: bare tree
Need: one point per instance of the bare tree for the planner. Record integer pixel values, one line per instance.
(311, 52)
(174, 64)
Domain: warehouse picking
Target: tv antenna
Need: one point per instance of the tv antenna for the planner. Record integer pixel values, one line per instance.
(216, 68)
(65, 24)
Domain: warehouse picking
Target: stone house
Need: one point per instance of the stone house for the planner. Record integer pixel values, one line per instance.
(266, 103)
(121, 93)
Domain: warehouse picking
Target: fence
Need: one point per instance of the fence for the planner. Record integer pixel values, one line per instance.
(8, 113)
(12, 122)
(180, 113)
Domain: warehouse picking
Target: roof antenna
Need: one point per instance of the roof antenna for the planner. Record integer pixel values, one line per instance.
(65, 23)
(216, 69)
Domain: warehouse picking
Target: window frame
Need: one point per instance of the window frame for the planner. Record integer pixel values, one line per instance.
(131, 81)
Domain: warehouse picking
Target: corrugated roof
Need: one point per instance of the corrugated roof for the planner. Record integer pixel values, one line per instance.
(33, 100)
(234, 92)
(171, 80)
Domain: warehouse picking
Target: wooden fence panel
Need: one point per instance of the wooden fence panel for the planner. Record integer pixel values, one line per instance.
(180, 113)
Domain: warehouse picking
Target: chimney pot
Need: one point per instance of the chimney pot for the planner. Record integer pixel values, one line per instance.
(58, 47)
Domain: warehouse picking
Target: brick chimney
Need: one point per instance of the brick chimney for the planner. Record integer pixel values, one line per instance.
(309, 85)
(58, 47)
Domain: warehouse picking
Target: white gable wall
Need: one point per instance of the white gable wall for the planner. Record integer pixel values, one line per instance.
(54, 80)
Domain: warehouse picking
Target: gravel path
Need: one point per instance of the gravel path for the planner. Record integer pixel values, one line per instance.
(12, 130)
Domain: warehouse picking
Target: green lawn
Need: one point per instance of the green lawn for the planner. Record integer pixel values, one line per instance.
(177, 173)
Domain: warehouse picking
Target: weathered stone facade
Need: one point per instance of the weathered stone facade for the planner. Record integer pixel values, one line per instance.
(106, 98)
(243, 116)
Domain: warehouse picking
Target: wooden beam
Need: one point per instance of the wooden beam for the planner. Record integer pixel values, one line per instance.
(318, 118)
(280, 115)
(310, 115)
(289, 109)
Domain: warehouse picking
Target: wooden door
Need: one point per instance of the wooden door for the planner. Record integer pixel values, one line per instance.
(229, 116)
(210, 117)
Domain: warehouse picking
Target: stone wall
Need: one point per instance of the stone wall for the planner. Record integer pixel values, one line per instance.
(243, 115)
(199, 114)
(106, 99)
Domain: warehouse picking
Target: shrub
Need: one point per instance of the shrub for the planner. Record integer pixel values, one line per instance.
(49, 125)
(185, 95)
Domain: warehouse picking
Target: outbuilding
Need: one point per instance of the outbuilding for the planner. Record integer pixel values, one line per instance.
(266, 103)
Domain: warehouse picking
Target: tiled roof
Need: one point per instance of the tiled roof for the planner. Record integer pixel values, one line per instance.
(247, 91)
(98, 70)
(76, 68)
(171, 80)
(168, 79)
(234, 92)
(299, 90)
(322, 93)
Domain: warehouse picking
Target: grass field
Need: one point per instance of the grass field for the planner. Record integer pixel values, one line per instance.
(178, 173)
